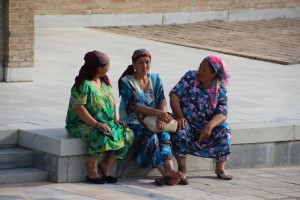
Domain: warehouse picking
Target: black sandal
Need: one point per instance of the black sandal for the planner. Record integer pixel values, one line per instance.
(110, 179)
(160, 181)
(96, 180)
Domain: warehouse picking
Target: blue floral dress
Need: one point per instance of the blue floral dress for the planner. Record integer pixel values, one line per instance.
(195, 104)
(151, 149)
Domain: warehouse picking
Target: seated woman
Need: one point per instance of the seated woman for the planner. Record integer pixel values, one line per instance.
(92, 117)
(199, 103)
(142, 94)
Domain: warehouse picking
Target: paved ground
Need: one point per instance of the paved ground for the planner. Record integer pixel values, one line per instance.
(248, 184)
(270, 40)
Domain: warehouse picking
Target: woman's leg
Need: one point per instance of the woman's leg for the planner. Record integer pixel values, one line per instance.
(107, 164)
(220, 170)
(181, 162)
(92, 167)
(220, 167)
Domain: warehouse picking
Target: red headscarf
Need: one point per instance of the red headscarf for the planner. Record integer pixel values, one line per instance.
(93, 60)
(130, 70)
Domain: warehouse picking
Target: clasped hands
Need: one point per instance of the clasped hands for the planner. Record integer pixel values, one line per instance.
(163, 119)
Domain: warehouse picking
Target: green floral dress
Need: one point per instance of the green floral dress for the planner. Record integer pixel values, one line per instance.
(100, 105)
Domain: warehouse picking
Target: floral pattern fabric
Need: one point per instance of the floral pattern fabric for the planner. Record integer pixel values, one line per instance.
(100, 105)
(151, 149)
(197, 109)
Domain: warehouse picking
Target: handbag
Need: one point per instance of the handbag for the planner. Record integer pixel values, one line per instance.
(150, 123)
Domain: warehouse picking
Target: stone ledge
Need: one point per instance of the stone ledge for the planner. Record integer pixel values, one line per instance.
(57, 141)
(52, 141)
(257, 146)
(8, 136)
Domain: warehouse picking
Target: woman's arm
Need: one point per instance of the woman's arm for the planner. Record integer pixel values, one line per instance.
(177, 111)
(85, 116)
(145, 110)
(207, 129)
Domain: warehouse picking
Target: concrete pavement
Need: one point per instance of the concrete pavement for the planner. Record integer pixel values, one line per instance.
(248, 184)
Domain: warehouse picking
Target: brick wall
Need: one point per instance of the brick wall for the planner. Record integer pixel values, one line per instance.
(83, 7)
(20, 40)
(1, 35)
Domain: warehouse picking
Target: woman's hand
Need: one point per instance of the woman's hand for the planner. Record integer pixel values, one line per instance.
(165, 117)
(181, 123)
(103, 126)
(205, 133)
(160, 125)
(119, 122)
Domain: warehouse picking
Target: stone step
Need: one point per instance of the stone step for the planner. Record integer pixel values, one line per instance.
(15, 157)
(22, 175)
(8, 137)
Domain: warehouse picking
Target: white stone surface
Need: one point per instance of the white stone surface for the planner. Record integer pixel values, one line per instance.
(12, 74)
(262, 135)
(46, 21)
(261, 14)
(1, 73)
(193, 17)
(52, 141)
(125, 19)
(297, 132)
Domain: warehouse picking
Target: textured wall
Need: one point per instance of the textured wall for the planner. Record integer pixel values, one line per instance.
(20, 28)
(78, 7)
(2, 27)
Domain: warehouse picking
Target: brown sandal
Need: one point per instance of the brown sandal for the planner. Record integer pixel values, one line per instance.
(225, 176)
(171, 181)
(184, 181)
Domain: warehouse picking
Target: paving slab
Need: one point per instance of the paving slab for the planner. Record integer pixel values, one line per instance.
(263, 183)
(275, 40)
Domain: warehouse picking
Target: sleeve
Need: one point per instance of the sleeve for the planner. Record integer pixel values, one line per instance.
(79, 97)
(158, 90)
(184, 83)
(222, 107)
(129, 94)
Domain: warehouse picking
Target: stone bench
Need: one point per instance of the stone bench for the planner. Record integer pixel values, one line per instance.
(255, 145)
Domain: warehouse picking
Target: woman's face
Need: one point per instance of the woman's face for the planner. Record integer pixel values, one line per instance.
(205, 72)
(104, 70)
(142, 65)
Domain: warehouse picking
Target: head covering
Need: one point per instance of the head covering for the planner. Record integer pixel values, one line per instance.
(93, 60)
(140, 53)
(130, 70)
(222, 76)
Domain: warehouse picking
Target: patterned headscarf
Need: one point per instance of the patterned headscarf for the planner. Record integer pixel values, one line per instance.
(140, 53)
(130, 70)
(222, 76)
(93, 60)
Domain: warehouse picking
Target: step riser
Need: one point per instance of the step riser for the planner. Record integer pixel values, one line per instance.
(15, 158)
(22, 175)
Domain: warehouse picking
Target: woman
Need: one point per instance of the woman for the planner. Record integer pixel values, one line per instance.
(142, 94)
(92, 117)
(199, 103)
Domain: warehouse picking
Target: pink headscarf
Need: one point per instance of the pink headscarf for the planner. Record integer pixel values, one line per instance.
(222, 77)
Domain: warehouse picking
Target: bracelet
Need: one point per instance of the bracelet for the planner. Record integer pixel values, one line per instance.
(96, 124)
